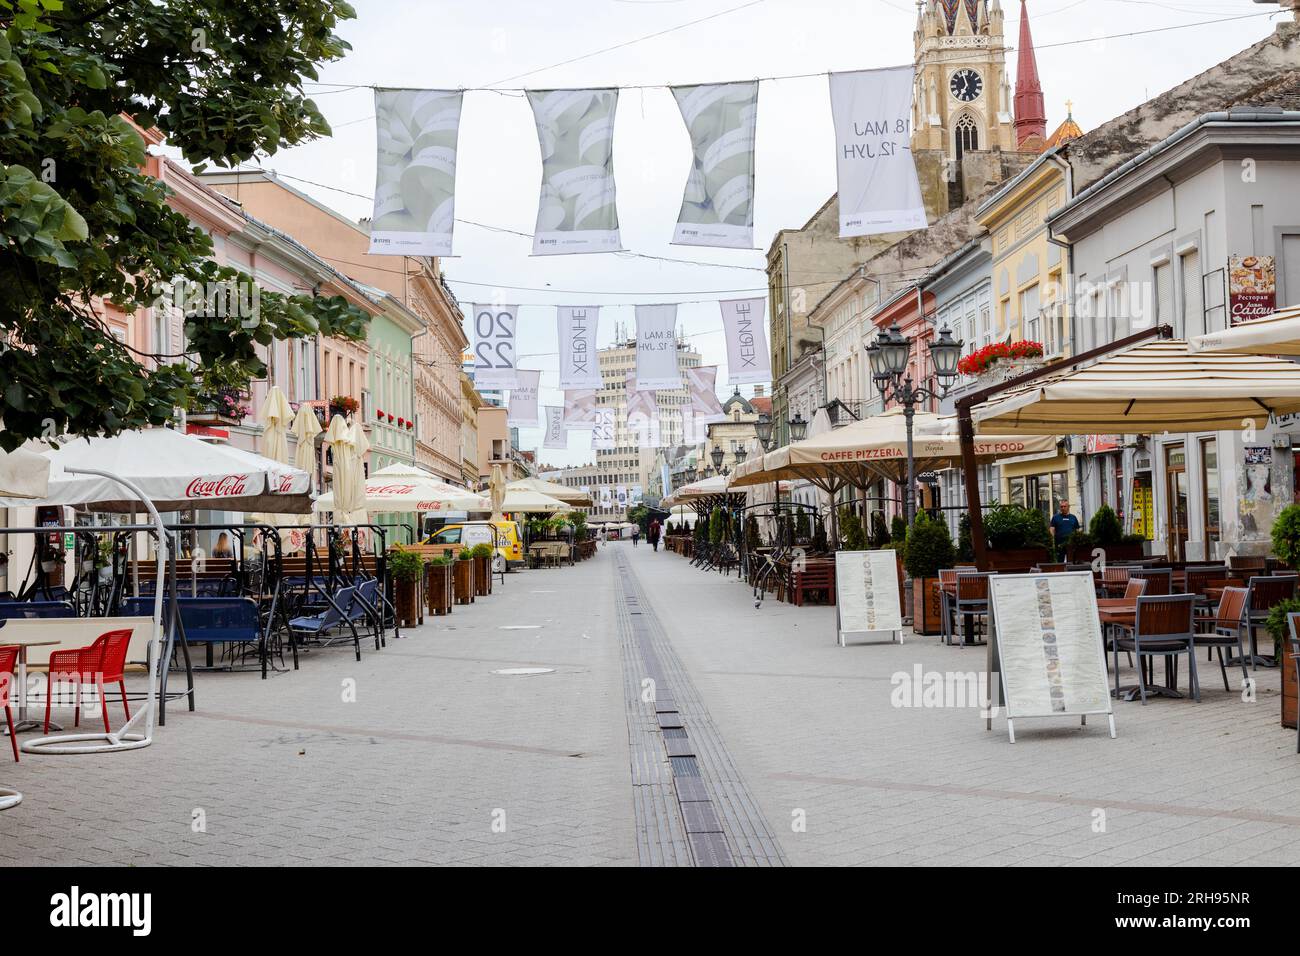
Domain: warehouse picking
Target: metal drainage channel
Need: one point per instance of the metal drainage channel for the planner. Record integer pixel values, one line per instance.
(692, 808)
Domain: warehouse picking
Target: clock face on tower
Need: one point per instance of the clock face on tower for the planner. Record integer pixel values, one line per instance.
(965, 85)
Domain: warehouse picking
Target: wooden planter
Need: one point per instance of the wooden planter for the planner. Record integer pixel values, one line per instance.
(463, 581)
(1287, 663)
(925, 606)
(482, 576)
(407, 599)
(1015, 560)
(437, 588)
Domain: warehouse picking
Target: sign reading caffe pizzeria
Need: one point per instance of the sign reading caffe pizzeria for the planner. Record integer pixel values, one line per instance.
(1252, 287)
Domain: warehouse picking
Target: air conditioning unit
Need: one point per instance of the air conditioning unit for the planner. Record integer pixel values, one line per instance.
(1076, 445)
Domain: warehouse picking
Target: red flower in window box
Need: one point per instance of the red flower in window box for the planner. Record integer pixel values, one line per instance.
(410, 426)
(379, 415)
(401, 422)
(981, 360)
(390, 419)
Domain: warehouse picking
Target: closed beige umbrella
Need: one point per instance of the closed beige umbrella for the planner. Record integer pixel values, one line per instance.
(275, 416)
(360, 448)
(306, 426)
(344, 499)
(497, 491)
(1149, 389)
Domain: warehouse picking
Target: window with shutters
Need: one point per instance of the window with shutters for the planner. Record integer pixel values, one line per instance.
(1030, 315)
(1163, 276)
(1193, 317)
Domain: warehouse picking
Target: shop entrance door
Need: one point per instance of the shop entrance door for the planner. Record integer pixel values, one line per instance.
(1176, 502)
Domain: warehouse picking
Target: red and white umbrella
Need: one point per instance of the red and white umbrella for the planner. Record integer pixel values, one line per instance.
(174, 471)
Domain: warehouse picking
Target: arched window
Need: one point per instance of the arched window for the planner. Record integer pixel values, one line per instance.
(965, 135)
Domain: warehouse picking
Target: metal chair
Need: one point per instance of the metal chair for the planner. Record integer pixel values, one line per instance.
(1163, 627)
(1113, 579)
(1159, 580)
(1223, 629)
(1265, 592)
(971, 604)
(103, 662)
(8, 669)
(947, 583)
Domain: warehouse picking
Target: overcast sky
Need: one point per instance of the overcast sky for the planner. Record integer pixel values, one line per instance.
(472, 43)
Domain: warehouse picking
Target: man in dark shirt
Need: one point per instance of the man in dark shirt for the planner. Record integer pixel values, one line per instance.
(1064, 524)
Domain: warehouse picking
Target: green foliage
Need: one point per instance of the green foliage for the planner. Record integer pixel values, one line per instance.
(438, 561)
(579, 521)
(965, 543)
(752, 537)
(701, 530)
(406, 565)
(1081, 545)
(1276, 624)
(640, 515)
(929, 548)
(1105, 528)
(717, 526)
(851, 535)
(879, 536)
(802, 526)
(898, 528)
(482, 551)
(465, 555)
(1014, 526)
(81, 221)
(819, 540)
(1286, 536)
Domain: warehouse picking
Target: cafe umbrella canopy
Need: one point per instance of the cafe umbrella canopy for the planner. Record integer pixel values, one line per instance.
(572, 496)
(1276, 334)
(402, 489)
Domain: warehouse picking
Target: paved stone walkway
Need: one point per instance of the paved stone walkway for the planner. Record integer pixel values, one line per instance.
(441, 761)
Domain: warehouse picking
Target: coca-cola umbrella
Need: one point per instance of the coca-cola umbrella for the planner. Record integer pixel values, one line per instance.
(404, 489)
(174, 471)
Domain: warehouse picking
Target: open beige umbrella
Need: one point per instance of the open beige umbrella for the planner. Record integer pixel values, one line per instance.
(24, 474)
(1148, 389)
(1276, 334)
(573, 496)
(401, 488)
(519, 500)
(876, 447)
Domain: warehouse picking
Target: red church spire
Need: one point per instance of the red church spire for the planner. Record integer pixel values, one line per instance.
(1031, 117)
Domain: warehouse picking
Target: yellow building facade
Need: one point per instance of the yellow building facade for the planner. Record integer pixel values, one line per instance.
(1030, 301)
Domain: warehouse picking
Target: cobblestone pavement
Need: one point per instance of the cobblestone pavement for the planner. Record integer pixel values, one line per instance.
(436, 748)
(433, 751)
(812, 727)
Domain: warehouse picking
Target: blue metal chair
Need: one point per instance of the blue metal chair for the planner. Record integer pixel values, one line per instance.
(33, 609)
(336, 614)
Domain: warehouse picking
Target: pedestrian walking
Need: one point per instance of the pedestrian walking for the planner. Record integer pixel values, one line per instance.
(653, 536)
(636, 534)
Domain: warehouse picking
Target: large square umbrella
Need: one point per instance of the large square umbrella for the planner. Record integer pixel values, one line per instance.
(1276, 334)
(1150, 388)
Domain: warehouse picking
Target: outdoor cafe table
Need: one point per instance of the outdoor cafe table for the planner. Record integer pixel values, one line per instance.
(1121, 613)
(22, 642)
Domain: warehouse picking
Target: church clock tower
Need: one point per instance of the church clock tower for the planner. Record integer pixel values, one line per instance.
(962, 101)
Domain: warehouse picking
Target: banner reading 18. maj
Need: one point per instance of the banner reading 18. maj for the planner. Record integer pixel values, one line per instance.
(878, 188)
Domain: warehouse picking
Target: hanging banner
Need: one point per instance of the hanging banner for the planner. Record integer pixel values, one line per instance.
(748, 361)
(579, 408)
(602, 436)
(878, 188)
(523, 399)
(641, 413)
(579, 366)
(704, 405)
(637, 495)
(606, 498)
(494, 346)
(415, 172)
(620, 496)
(718, 203)
(555, 436)
(576, 211)
(656, 348)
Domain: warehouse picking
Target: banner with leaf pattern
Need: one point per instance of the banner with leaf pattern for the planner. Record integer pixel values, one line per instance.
(576, 211)
(718, 203)
(415, 172)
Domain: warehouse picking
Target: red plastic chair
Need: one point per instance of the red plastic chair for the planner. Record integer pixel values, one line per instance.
(101, 663)
(8, 667)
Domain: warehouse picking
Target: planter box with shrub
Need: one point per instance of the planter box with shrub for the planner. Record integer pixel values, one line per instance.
(408, 572)
(929, 549)
(438, 585)
(463, 582)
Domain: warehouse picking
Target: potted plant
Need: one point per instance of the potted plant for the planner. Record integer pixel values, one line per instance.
(1286, 546)
(1278, 626)
(408, 572)
(1000, 360)
(1106, 532)
(482, 555)
(1017, 537)
(929, 548)
(438, 587)
(851, 536)
(344, 405)
(463, 577)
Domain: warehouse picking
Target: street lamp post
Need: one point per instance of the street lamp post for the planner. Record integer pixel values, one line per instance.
(889, 355)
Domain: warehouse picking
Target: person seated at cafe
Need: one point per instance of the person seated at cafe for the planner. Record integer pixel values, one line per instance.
(1063, 524)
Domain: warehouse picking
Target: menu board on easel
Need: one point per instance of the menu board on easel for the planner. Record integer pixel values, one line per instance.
(866, 594)
(1049, 647)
